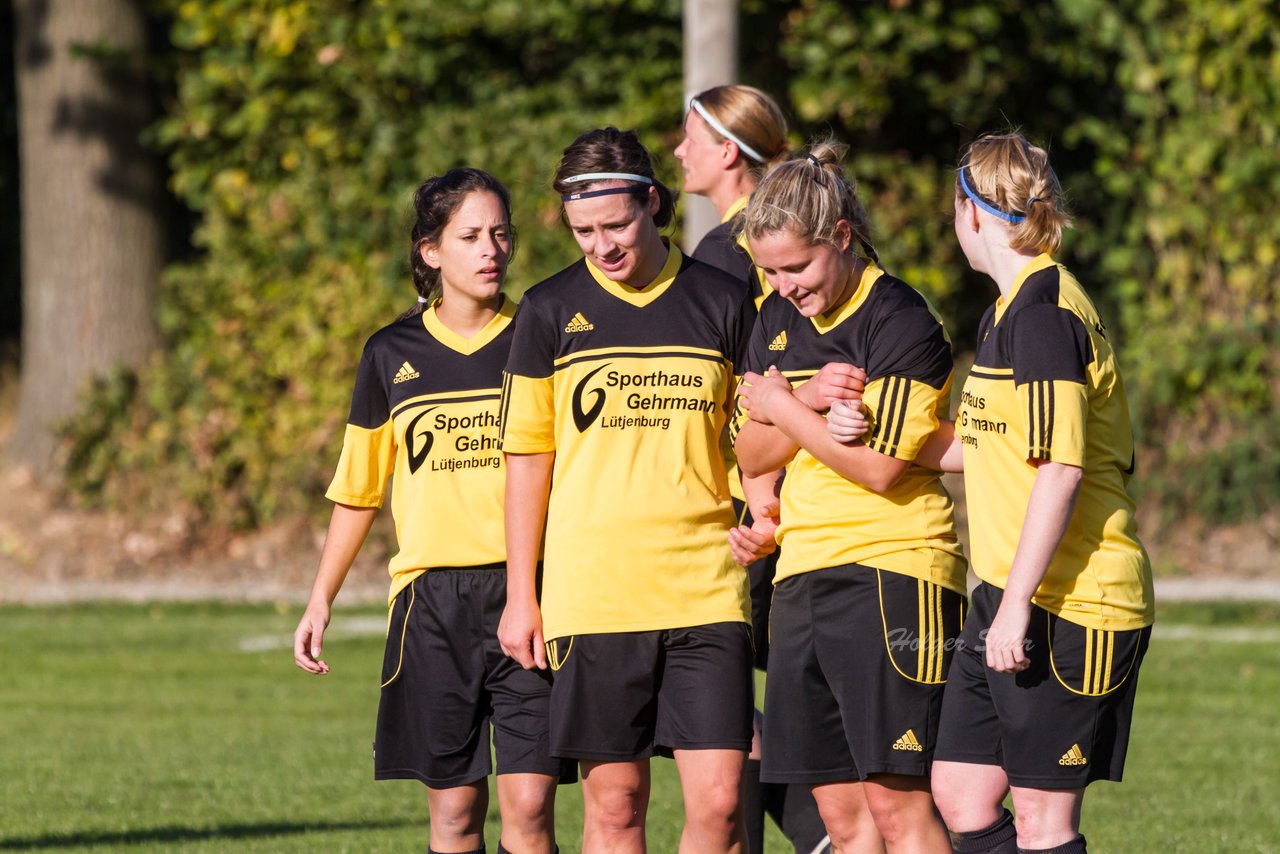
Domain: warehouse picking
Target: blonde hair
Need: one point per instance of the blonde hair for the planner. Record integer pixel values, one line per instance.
(1013, 175)
(753, 117)
(808, 196)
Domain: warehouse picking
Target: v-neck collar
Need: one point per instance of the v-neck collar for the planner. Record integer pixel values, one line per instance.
(1041, 262)
(641, 297)
(824, 323)
(468, 346)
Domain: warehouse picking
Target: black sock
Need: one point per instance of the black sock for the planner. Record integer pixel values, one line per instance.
(1075, 846)
(801, 823)
(480, 850)
(555, 849)
(999, 838)
(753, 806)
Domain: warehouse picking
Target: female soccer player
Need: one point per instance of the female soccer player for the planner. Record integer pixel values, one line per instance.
(869, 593)
(617, 392)
(425, 409)
(1041, 695)
(732, 135)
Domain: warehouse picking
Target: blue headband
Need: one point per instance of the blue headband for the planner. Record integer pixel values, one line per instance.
(985, 203)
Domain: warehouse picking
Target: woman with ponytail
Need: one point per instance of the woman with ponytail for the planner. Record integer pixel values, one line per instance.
(425, 409)
(869, 593)
(1040, 696)
(732, 136)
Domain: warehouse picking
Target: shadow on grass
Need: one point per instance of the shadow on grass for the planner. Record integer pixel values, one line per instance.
(161, 835)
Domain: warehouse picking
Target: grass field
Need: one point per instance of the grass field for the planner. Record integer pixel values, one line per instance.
(186, 727)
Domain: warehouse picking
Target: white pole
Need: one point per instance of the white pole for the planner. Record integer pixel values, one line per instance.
(710, 59)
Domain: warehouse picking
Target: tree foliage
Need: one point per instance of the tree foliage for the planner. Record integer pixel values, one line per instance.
(299, 129)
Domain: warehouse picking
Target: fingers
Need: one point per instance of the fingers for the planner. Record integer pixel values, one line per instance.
(307, 643)
(539, 650)
(748, 545)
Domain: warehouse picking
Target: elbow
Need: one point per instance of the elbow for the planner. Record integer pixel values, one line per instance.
(749, 468)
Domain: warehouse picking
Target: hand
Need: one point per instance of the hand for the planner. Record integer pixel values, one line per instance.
(847, 421)
(520, 635)
(836, 381)
(308, 639)
(759, 393)
(1006, 639)
(749, 544)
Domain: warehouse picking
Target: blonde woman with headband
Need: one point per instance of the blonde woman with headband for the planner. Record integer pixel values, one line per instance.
(1041, 694)
(869, 593)
(617, 393)
(732, 135)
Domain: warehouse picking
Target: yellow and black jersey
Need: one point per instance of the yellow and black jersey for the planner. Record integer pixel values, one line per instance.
(630, 389)
(721, 248)
(889, 330)
(1045, 387)
(425, 409)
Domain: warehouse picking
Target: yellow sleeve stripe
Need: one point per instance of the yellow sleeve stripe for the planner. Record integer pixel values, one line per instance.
(1039, 419)
(892, 417)
(504, 406)
(639, 353)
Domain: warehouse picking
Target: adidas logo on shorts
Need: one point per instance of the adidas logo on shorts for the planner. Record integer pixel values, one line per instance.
(579, 324)
(405, 373)
(908, 741)
(1073, 757)
(779, 342)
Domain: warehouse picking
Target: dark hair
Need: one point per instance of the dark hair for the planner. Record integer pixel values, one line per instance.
(809, 195)
(435, 202)
(612, 150)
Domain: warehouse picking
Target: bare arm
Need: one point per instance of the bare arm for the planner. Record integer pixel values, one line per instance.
(942, 449)
(751, 542)
(528, 490)
(1053, 500)
(348, 527)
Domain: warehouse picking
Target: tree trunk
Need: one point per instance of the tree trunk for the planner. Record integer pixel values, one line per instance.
(93, 240)
(710, 59)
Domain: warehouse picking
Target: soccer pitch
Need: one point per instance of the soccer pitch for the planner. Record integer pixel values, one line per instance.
(187, 727)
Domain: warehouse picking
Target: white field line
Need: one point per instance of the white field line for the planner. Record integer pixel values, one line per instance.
(356, 627)
(1216, 634)
(370, 626)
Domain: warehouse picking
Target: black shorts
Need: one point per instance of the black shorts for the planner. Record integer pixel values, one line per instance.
(1061, 723)
(857, 667)
(625, 696)
(445, 680)
(760, 576)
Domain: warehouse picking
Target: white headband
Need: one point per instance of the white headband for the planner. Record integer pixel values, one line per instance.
(724, 132)
(608, 176)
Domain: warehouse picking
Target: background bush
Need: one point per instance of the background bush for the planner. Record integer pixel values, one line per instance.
(298, 131)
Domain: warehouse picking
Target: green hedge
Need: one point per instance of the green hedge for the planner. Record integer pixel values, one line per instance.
(299, 130)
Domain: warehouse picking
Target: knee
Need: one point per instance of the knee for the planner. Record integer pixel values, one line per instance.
(618, 808)
(528, 810)
(454, 817)
(891, 818)
(847, 826)
(717, 804)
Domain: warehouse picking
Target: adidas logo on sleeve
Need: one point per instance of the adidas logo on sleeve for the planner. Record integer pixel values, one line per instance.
(779, 342)
(579, 324)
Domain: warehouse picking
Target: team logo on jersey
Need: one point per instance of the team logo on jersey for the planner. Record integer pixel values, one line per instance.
(579, 324)
(779, 342)
(908, 741)
(583, 418)
(405, 374)
(1073, 757)
(418, 444)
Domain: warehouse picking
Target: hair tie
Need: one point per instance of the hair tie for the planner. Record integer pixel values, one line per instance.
(725, 132)
(815, 161)
(422, 300)
(1031, 201)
